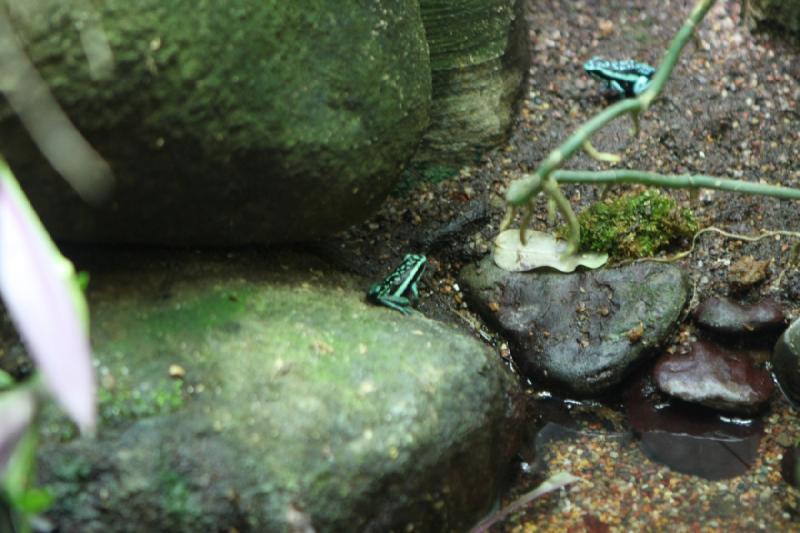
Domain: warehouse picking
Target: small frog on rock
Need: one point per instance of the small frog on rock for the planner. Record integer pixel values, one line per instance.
(392, 291)
(626, 78)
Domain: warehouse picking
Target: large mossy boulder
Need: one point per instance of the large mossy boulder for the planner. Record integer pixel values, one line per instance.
(249, 121)
(258, 394)
(479, 59)
(780, 13)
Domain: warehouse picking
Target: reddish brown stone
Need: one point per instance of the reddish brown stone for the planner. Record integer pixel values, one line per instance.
(715, 377)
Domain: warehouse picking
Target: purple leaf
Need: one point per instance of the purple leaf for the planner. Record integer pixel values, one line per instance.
(17, 408)
(41, 294)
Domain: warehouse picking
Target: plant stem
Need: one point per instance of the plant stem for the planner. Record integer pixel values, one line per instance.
(676, 181)
(674, 51)
(520, 193)
(551, 189)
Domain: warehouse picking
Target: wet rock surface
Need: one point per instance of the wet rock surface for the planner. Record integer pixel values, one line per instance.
(726, 317)
(688, 438)
(786, 361)
(580, 332)
(299, 403)
(715, 377)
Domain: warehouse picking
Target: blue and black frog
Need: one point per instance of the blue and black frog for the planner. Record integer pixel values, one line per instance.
(626, 78)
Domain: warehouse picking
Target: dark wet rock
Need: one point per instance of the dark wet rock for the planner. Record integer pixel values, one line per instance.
(581, 332)
(790, 466)
(786, 361)
(724, 316)
(715, 377)
(479, 58)
(300, 404)
(254, 122)
(690, 438)
(709, 456)
(468, 220)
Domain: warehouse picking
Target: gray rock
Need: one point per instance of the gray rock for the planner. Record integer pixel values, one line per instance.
(479, 59)
(262, 121)
(300, 405)
(786, 361)
(582, 332)
(722, 379)
(726, 317)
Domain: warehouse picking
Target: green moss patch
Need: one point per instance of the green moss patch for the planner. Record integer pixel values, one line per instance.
(635, 225)
(138, 403)
(419, 173)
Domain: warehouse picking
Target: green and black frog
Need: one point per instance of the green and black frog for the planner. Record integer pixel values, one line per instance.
(396, 290)
(626, 79)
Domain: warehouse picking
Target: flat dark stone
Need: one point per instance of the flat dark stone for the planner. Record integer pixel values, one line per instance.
(581, 332)
(715, 377)
(724, 316)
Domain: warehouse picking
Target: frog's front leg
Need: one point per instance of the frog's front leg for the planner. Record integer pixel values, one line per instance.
(414, 290)
(413, 286)
(641, 85)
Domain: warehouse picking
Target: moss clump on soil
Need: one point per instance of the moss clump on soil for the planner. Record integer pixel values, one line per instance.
(635, 225)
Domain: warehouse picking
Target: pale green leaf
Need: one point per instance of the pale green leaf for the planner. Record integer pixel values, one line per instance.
(540, 250)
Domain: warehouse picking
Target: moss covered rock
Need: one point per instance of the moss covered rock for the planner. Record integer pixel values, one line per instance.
(635, 225)
(297, 403)
(479, 58)
(782, 13)
(229, 122)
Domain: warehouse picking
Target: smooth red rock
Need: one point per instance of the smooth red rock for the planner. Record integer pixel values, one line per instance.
(715, 377)
(690, 438)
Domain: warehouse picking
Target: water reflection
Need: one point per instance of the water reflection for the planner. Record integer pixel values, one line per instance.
(687, 438)
(690, 438)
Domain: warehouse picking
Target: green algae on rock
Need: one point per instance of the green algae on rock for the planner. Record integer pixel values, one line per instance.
(299, 402)
(228, 122)
(635, 225)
